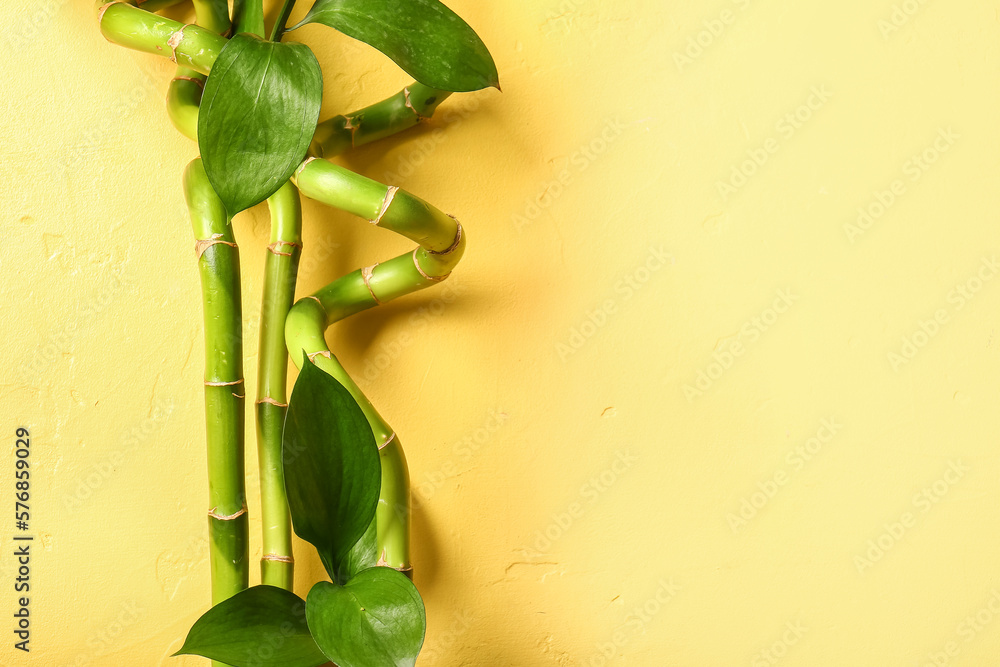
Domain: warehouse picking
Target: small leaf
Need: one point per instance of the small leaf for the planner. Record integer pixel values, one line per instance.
(376, 620)
(258, 115)
(332, 467)
(429, 41)
(263, 626)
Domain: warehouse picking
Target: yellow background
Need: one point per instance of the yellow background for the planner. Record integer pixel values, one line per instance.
(577, 505)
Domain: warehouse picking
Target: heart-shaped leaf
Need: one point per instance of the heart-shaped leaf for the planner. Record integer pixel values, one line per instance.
(429, 41)
(263, 626)
(332, 468)
(376, 620)
(257, 118)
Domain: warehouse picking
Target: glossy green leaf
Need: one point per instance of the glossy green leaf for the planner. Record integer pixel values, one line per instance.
(376, 620)
(364, 553)
(332, 467)
(428, 40)
(263, 626)
(257, 118)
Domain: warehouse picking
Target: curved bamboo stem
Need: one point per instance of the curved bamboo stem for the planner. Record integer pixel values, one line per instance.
(441, 245)
(218, 263)
(185, 89)
(280, 269)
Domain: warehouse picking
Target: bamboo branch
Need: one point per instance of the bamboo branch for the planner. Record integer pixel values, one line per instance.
(190, 46)
(280, 271)
(442, 244)
(404, 110)
(185, 89)
(218, 263)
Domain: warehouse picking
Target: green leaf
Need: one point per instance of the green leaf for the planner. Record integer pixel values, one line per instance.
(332, 467)
(263, 626)
(376, 620)
(258, 115)
(364, 553)
(428, 40)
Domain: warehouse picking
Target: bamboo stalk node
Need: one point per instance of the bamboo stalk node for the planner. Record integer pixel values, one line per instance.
(316, 299)
(223, 384)
(175, 41)
(305, 163)
(322, 353)
(104, 8)
(278, 559)
(213, 513)
(201, 245)
(271, 401)
(349, 125)
(433, 279)
(409, 105)
(273, 248)
(201, 84)
(235, 395)
(386, 201)
(387, 441)
(366, 275)
(455, 244)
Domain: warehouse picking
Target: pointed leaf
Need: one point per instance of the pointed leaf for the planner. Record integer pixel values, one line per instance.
(364, 553)
(332, 468)
(258, 115)
(429, 41)
(263, 626)
(376, 620)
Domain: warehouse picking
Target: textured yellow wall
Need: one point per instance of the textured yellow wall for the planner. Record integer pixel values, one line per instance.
(716, 383)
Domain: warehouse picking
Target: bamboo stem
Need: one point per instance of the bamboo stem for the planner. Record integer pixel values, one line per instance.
(442, 244)
(185, 89)
(190, 46)
(280, 271)
(218, 263)
(402, 111)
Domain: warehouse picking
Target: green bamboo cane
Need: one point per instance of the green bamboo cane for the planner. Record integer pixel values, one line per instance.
(218, 263)
(281, 266)
(404, 110)
(442, 244)
(189, 46)
(185, 89)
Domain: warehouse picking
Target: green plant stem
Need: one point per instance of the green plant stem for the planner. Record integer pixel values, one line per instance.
(183, 99)
(402, 111)
(214, 15)
(279, 24)
(248, 16)
(185, 89)
(281, 267)
(193, 46)
(218, 263)
(442, 244)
